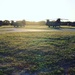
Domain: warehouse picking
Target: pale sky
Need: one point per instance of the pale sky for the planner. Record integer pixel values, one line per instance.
(36, 10)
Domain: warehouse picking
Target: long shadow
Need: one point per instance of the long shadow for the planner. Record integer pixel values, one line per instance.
(63, 28)
(57, 28)
(70, 27)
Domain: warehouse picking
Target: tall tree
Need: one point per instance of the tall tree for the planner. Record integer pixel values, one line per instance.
(1, 22)
(6, 22)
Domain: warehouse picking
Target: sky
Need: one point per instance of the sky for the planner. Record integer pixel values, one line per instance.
(36, 10)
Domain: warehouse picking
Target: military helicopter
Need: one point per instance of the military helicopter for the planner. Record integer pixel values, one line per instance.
(54, 23)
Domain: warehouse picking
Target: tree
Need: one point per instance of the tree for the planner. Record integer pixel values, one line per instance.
(41, 22)
(1, 23)
(47, 23)
(12, 22)
(6, 22)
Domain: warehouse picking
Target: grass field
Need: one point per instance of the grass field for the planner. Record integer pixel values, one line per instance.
(38, 27)
(37, 53)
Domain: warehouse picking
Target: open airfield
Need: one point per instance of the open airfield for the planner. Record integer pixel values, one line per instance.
(8, 29)
(37, 50)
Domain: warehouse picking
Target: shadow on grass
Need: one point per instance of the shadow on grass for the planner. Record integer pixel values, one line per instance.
(68, 27)
(63, 27)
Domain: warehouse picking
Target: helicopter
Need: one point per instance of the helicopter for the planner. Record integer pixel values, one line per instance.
(54, 23)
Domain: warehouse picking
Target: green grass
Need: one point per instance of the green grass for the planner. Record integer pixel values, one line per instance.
(42, 27)
(44, 53)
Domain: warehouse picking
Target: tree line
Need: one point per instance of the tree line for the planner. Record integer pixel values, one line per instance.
(21, 23)
(13, 23)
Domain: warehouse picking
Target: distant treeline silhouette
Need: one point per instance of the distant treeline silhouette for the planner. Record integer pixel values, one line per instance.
(19, 23)
(49, 23)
